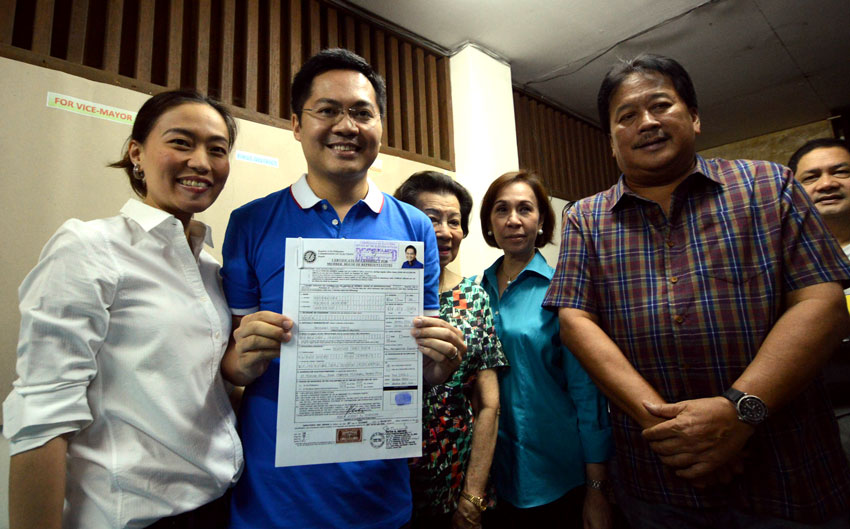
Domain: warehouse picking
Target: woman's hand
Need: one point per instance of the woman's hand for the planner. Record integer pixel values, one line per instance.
(467, 515)
(255, 342)
(443, 347)
(597, 511)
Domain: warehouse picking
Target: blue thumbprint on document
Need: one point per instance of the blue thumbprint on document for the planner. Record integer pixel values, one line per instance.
(403, 399)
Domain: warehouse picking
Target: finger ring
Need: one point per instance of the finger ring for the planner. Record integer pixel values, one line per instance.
(453, 355)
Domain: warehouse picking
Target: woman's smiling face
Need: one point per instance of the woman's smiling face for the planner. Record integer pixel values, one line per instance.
(185, 159)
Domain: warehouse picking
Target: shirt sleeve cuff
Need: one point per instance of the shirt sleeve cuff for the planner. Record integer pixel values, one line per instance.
(32, 420)
(596, 445)
(243, 312)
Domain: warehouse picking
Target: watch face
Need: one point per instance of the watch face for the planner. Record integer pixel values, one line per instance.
(752, 409)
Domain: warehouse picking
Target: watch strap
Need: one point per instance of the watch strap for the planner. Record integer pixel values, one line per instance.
(733, 395)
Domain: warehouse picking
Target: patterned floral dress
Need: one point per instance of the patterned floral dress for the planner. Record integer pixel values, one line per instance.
(447, 421)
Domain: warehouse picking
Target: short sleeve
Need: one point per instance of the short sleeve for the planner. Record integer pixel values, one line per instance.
(492, 355)
(810, 254)
(64, 304)
(238, 278)
(572, 286)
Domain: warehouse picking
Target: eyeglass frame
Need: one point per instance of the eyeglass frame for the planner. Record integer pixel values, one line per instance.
(346, 112)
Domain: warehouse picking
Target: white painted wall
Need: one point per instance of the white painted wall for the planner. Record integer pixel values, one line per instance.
(485, 139)
(485, 145)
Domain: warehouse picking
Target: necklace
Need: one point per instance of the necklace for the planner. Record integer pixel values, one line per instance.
(508, 278)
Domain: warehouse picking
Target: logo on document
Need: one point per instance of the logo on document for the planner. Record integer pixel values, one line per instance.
(377, 440)
(309, 256)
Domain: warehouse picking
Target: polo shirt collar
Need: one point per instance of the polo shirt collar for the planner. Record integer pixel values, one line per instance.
(621, 189)
(306, 198)
(149, 218)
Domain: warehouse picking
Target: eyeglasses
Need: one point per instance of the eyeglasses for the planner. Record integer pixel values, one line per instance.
(333, 114)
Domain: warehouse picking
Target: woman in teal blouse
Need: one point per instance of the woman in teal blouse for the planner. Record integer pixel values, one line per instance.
(554, 432)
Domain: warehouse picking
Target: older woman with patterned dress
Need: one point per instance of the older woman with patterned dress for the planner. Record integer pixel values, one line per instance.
(460, 416)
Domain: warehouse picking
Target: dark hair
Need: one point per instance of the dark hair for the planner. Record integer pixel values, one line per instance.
(536, 185)
(642, 64)
(434, 182)
(811, 145)
(334, 59)
(410, 247)
(150, 113)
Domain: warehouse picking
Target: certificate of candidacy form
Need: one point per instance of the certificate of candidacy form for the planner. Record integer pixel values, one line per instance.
(351, 377)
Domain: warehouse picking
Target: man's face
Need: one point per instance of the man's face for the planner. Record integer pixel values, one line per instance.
(343, 150)
(825, 175)
(410, 253)
(653, 132)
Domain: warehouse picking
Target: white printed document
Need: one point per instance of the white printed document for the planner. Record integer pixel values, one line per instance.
(351, 377)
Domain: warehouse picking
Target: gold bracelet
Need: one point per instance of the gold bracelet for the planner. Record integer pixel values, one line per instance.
(477, 501)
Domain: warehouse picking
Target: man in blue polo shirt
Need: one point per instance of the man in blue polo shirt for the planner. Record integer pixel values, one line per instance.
(338, 102)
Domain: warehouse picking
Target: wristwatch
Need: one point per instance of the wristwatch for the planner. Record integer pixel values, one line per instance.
(751, 409)
(478, 501)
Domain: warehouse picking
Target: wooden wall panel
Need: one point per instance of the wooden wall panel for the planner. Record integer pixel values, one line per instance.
(315, 20)
(42, 27)
(7, 21)
(350, 34)
(228, 39)
(447, 139)
(394, 102)
(77, 31)
(112, 41)
(365, 49)
(202, 51)
(296, 49)
(244, 52)
(433, 110)
(175, 44)
(332, 27)
(569, 154)
(252, 54)
(379, 62)
(408, 135)
(421, 110)
(144, 40)
(275, 95)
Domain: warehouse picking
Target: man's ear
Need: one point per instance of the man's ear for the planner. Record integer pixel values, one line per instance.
(695, 118)
(296, 126)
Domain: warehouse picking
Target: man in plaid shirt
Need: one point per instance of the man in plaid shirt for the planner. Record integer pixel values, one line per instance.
(703, 297)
